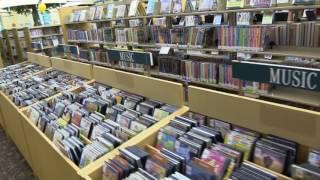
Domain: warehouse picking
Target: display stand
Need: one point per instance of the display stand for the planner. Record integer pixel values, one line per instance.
(292, 123)
(13, 125)
(46, 160)
(39, 59)
(10, 119)
(261, 116)
(76, 68)
(165, 91)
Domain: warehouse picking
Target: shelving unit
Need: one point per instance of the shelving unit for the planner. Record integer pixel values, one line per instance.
(9, 56)
(313, 53)
(279, 52)
(289, 113)
(208, 12)
(13, 46)
(43, 35)
(32, 142)
(258, 115)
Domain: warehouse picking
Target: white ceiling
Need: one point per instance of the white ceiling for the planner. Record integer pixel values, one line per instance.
(12, 3)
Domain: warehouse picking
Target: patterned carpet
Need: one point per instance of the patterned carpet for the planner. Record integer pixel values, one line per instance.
(12, 164)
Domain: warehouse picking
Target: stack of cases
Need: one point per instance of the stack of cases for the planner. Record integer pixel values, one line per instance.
(18, 71)
(84, 35)
(137, 35)
(243, 37)
(306, 34)
(225, 76)
(193, 146)
(183, 36)
(36, 32)
(201, 37)
(24, 92)
(106, 34)
(205, 72)
(121, 36)
(192, 70)
(170, 65)
(106, 116)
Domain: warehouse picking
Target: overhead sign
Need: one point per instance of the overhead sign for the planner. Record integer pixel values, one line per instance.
(131, 56)
(296, 77)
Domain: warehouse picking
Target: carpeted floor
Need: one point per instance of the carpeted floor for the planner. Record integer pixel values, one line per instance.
(12, 164)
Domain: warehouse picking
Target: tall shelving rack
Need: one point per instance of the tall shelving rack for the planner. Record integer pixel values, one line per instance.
(293, 123)
(298, 97)
(49, 31)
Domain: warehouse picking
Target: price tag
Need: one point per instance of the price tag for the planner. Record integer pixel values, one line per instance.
(217, 20)
(268, 56)
(164, 50)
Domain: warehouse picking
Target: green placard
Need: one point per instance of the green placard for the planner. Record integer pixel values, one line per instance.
(131, 56)
(296, 77)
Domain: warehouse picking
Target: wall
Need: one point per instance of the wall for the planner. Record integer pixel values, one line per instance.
(7, 19)
(20, 20)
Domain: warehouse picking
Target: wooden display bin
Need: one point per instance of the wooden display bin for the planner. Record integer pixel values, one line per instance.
(39, 59)
(72, 67)
(7, 119)
(50, 163)
(296, 124)
(30, 143)
(285, 121)
(13, 125)
(149, 138)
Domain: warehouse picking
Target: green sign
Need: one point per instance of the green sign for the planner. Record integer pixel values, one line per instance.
(296, 77)
(131, 56)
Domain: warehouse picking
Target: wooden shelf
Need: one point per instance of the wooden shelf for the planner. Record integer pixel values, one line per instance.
(313, 53)
(44, 48)
(309, 98)
(205, 12)
(48, 35)
(48, 26)
(178, 78)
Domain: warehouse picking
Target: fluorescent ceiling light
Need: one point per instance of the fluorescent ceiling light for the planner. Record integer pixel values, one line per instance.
(13, 3)
(8, 3)
(54, 1)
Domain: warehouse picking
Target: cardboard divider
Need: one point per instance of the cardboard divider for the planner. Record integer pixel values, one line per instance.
(299, 125)
(161, 90)
(39, 59)
(77, 68)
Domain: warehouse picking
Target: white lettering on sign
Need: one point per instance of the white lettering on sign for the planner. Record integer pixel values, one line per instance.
(293, 78)
(126, 56)
(274, 76)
